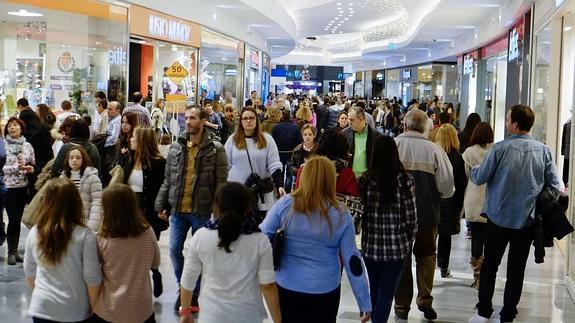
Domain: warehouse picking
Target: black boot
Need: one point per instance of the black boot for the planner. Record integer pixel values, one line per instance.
(2, 233)
(11, 256)
(157, 279)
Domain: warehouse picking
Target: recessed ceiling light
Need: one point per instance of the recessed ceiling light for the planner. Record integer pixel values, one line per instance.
(341, 32)
(340, 15)
(24, 13)
(345, 18)
(350, 4)
(351, 11)
(339, 3)
(336, 18)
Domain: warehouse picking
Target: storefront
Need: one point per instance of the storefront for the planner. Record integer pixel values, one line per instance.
(219, 64)
(496, 77)
(163, 61)
(253, 72)
(423, 82)
(52, 51)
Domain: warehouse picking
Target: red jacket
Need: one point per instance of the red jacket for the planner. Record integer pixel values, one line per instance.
(346, 182)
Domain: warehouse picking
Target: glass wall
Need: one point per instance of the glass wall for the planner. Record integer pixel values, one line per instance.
(253, 77)
(48, 55)
(542, 80)
(495, 93)
(392, 84)
(219, 67)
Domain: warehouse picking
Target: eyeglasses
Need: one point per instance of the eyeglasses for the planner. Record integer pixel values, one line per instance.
(248, 118)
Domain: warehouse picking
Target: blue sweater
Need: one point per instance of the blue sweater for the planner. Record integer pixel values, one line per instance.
(310, 260)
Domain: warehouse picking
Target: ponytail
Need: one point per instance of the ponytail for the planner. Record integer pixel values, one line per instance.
(229, 228)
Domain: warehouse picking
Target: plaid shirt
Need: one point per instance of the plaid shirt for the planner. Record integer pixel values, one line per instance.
(387, 233)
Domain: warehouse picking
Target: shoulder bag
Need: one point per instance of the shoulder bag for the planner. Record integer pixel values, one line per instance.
(278, 241)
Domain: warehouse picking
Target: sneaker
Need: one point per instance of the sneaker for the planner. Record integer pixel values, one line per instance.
(428, 312)
(445, 272)
(478, 319)
(177, 305)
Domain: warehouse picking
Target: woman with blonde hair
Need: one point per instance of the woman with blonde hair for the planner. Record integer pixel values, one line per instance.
(128, 250)
(318, 232)
(450, 209)
(61, 260)
(274, 116)
(303, 114)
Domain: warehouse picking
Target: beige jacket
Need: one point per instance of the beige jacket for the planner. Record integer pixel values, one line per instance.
(474, 195)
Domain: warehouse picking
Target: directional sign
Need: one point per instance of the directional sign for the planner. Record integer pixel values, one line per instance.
(176, 72)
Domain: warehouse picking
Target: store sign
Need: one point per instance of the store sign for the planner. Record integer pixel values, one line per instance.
(153, 24)
(165, 28)
(406, 74)
(468, 64)
(66, 63)
(176, 72)
(117, 56)
(513, 45)
(379, 76)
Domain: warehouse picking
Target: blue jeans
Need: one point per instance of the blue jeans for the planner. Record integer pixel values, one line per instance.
(383, 279)
(180, 224)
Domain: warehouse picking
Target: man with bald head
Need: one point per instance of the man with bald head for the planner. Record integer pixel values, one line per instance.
(433, 175)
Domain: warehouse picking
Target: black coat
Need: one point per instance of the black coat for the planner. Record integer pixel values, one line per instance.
(450, 209)
(287, 136)
(371, 135)
(322, 114)
(551, 221)
(153, 179)
(38, 136)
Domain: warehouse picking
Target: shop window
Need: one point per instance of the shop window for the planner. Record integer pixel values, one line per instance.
(542, 80)
(219, 67)
(49, 55)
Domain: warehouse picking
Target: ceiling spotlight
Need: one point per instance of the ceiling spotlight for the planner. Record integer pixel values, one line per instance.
(24, 13)
(339, 3)
(350, 4)
(345, 18)
(351, 11)
(341, 32)
(336, 18)
(340, 15)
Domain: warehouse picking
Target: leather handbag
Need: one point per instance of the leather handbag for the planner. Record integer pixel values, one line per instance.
(165, 137)
(278, 241)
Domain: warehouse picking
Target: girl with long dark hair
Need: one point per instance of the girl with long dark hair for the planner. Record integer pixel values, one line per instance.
(389, 223)
(61, 260)
(129, 123)
(235, 261)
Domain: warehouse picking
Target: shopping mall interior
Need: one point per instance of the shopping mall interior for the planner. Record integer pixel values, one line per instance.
(482, 56)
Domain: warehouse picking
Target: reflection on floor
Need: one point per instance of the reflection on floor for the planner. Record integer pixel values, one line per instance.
(545, 298)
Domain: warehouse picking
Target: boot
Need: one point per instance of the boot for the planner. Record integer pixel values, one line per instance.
(476, 267)
(2, 232)
(13, 256)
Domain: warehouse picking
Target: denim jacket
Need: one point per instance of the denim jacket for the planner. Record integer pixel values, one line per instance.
(515, 170)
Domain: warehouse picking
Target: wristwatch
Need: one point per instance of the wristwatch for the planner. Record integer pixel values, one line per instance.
(185, 311)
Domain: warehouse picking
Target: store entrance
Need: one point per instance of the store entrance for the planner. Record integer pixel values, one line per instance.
(495, 90)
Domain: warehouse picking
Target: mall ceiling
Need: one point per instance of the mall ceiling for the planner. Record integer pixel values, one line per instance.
(363, 31)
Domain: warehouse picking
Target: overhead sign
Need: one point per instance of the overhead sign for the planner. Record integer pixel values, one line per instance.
(513, 45)
(468, 64)
(117, 56)
(176, 72)
(406, 74)
(154, 24)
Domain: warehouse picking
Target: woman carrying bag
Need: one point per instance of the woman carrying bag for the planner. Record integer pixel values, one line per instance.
(318, 232)
(254, 160)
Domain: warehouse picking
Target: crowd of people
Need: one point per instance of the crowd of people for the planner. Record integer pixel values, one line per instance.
(236, 178)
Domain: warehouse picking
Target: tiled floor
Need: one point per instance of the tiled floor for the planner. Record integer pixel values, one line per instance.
(545, 298)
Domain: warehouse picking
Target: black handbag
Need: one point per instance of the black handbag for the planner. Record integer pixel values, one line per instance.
(278, 241)
(255, 183)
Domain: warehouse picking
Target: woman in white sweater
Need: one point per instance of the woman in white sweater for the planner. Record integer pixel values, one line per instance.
(88, 183)
(250, 151)
(480, 144)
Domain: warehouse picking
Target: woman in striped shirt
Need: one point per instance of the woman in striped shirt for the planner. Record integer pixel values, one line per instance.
(389, 223)
(128, 250)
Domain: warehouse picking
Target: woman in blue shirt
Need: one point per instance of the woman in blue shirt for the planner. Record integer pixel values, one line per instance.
(319, 231)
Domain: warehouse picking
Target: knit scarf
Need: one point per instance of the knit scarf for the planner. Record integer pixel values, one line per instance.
(249, 225)
(14, 146)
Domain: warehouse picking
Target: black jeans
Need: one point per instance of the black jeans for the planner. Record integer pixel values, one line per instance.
(383, 281)
(15, 202)
(299, 307)
(519, 244)
(443, 250)
(477, 238)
